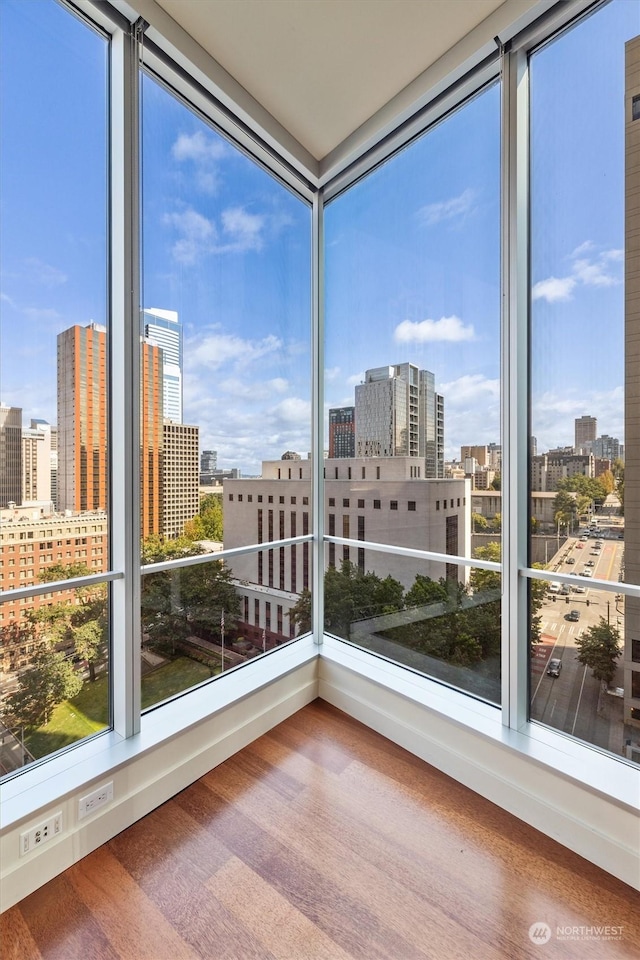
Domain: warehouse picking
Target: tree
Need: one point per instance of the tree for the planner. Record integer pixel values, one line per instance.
(350, 595)
(479, 522)
(425, 591)
(188, 601)
(600, 647)
(48, 681)
(608, 481)
(496, 523)
(80, 623)
(482, 580)
(18, 639)
(564, 508)
(496, 483)
(208, 523)
(300, 613)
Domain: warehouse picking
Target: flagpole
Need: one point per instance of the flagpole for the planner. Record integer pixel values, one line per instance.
(222, 636)
(264, 641)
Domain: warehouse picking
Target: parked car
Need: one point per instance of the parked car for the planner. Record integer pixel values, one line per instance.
(573, 615)
(591, 563)
(587, 572)
(571, 559)
(554, 667)
(579, 589)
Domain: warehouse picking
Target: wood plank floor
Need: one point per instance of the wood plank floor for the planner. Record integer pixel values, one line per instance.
(324, 841)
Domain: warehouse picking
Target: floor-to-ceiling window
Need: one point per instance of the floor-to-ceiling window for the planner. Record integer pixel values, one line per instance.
(584, 321)
(54, 394)
(412, 391)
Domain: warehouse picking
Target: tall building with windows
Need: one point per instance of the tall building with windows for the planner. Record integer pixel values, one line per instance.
(10, 455)
(82, 418)
(399, 414)
(607, 448)
(342, 435)
(162, 328)
(36, 462)
(180, 476)
(586, 429)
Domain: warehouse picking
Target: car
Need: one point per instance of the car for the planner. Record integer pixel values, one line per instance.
(591, 563)
(584, 538)
(554, 667)
(587, 573)
(554, 587)
(621, 536)
(571, 559)
(573, 615)
(564, 590)
(579, 589)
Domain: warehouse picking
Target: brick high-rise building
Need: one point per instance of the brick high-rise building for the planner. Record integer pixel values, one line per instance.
(180, 474)
(586, 429)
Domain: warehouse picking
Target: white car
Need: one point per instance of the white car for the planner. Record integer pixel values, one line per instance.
(587, 572)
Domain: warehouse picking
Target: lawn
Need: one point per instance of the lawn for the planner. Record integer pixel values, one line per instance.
(87, 713)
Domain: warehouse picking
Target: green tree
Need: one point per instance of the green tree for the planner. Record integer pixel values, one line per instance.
(300, 613)
(564, 508)
(189, 601)
(496, 483)
(425, 591)
(496, 523)
(48, 681)
(350, 595)
(79, 623)
(482, 580)
(599, 648)
(479, 523)
(208, 523)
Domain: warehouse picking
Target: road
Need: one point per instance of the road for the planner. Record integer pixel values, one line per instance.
(570, 702)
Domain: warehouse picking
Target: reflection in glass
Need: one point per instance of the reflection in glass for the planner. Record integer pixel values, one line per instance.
(54, 661)
(445, 627)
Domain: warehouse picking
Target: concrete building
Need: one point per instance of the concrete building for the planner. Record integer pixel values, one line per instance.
(180, 477)
(548, 468)
(631, 654)
(342, 432)
(162, 328)
(37, 472)
(208, 464)
(399, 414)
(10, 455)
(586, 429)
(381, 500)
(488, 503)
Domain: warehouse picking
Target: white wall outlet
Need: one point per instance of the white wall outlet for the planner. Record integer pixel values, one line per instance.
(36, 837)
(94, 800)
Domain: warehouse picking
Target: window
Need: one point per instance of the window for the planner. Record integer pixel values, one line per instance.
(393, 505)
(411, 505)
(345, 502)
(332, 501)
(376, 504)
(360, 504)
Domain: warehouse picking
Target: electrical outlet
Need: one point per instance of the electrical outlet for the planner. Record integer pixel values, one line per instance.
(94, 800)
(36, 837)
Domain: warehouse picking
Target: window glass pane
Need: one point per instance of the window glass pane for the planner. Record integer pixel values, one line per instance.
(442, 620)
(201, 620)
(53, 361)
(584, 323)
(413, 335)
(225, 367)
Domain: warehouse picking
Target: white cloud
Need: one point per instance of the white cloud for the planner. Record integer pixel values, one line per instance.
(553, 414)
(355, 379)
(196, 235)
(589, 271)
(470, 389)
(449, 329)
(5, 298)
(331, 373)
(459, 206)
(203, 152)
(244, 229)
(553, 289)
(471, 412)
(215, 349)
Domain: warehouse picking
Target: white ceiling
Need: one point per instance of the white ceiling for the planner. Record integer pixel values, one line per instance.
(322, 68)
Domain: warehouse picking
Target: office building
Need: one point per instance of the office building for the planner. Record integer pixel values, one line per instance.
(151, 440)
(82, 418)
(607, 448)
(162, 328)
(342, 435)
(10, 455)
(37, 462)
(586, 429)
(399, 414)
(548, 468)
(208, 465)
(180, 480)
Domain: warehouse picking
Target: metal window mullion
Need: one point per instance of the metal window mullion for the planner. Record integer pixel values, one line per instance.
(317, 445)
(124, 384)
(515, 422)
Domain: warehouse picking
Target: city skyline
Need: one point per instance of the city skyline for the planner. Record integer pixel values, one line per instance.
(227, 248)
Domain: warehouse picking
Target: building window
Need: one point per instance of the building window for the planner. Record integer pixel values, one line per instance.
(411, 505)
(393, 505)
(376, 504)
(332, 501)
(360, 504)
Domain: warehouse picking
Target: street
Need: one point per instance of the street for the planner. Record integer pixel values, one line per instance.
(571, 701)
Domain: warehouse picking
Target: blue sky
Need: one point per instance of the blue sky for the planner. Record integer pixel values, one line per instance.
(412, 258)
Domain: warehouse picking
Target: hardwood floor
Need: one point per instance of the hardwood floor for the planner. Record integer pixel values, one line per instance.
(324, 841)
